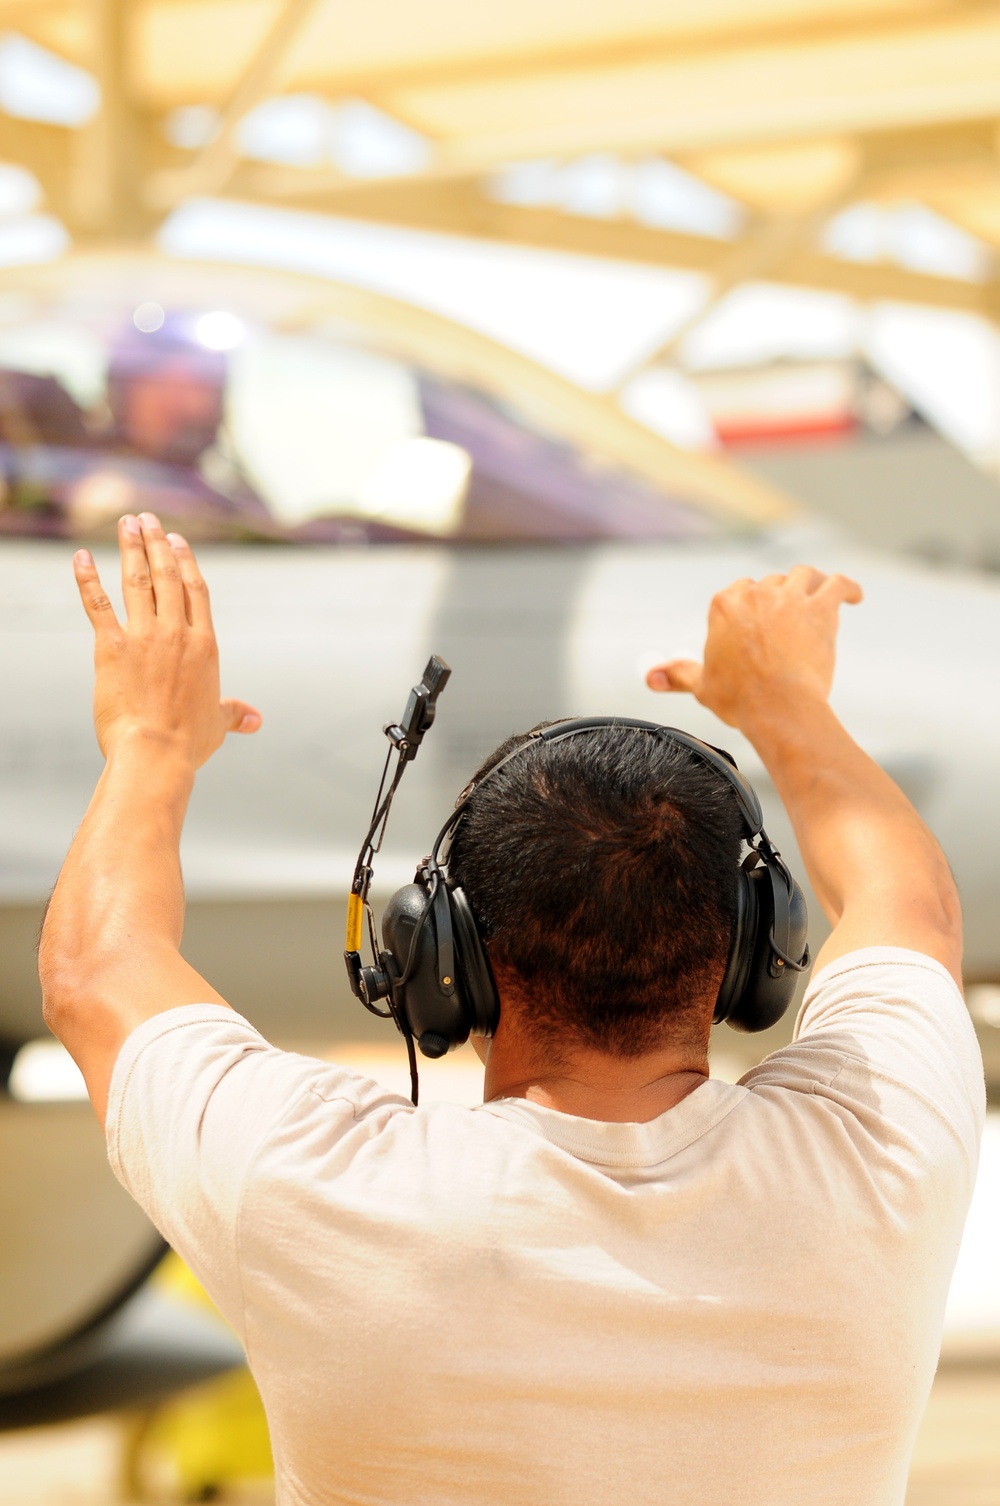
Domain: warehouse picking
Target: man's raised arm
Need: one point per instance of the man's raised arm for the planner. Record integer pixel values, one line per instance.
(109, 956)
(768, 667)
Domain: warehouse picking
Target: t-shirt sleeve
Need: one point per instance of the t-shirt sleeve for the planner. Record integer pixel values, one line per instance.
(195, 1093)
(898, 1016)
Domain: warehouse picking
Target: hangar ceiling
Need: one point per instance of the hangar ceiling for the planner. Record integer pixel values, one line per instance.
(790, 112)
(791, 107)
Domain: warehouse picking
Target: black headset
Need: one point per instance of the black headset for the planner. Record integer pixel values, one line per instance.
(435, 972)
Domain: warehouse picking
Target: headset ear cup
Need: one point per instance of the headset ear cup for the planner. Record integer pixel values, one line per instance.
(741, 949)
(770, 984)
(479, 990)
(437, 1018)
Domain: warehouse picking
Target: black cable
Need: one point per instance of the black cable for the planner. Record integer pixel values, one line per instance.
(411, 955)
(378, 797)
(412, 1056)
(380, 815)
(372, 933)
(376, 812)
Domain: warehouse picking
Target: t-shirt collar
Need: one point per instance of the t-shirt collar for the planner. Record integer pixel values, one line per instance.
(615, 1144)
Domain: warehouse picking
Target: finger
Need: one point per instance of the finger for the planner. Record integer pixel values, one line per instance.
(240, 716)
(772, 580)
(806, 578)
(95, 600)
(196, 601)
(843, 589)
(168, 589)
(137, 584)
(678, 674)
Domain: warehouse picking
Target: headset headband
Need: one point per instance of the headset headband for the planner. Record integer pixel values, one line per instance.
(716, 758)
(442, 990)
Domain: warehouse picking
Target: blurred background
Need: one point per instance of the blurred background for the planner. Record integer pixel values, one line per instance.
(508, 333)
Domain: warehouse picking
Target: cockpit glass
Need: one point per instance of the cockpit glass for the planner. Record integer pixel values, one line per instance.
(301, 438)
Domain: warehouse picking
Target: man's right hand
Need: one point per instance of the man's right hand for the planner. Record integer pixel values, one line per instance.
(771, 643)
(768, 667)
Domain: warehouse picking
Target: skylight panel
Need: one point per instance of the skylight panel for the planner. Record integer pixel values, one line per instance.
(654, 192)
(36, 84)
(295, 129)
(910, 235)
(304, 130)
(664, 195)
(20, 190)
(367, 143)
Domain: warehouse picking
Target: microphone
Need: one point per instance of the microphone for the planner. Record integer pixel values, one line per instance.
(371, 984)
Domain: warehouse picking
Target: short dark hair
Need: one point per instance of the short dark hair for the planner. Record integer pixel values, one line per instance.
(602, 874)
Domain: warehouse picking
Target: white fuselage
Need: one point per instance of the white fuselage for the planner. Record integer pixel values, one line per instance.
(327, 643)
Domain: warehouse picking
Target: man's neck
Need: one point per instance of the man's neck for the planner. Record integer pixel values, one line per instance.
(594, 1085)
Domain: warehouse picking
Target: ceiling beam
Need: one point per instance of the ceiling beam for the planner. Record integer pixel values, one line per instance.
(760, 254)
(104, 199)
(945, 42)
(888, 161)
(14, 10)
(22, 14)
(931, 145)
(690, 37)
(687, 35)
(880, 281)
(676, 45)
(214, 165)
(765, 249)
(459, 208)
(886, 81)
(46, 151)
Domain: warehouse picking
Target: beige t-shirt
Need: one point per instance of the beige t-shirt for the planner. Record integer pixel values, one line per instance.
(738, 1302)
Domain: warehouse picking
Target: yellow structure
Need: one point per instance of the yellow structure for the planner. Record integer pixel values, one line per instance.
(207, 1439)
(794, 108)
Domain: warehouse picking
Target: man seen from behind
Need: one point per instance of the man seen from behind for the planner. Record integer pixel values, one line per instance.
(618, 1280)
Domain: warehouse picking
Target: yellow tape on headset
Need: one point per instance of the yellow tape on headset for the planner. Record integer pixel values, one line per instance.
(355, 922)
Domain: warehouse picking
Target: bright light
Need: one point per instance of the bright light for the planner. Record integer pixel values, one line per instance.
(662, 194)
(761, 322)
(655, 192)
(983, 1000)
(367, 143)
(148, 317)
(63, 348)
(946, 363)
(191, 126)
(669, 404)
(36, 84)
(530, 300)
(31, 238)
(455, 1078)
(20, 190)
(972, 1318)
(910, 235)
(219, 330)
(44, 1072)
(313, 421)
(304, 130)
(294, 128)
(421, 483)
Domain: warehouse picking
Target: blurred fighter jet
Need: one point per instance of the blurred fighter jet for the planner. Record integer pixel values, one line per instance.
(368, 486)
